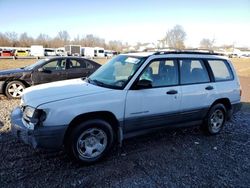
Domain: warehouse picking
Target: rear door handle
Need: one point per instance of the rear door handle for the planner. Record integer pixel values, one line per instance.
(172, 92)
(209, 88)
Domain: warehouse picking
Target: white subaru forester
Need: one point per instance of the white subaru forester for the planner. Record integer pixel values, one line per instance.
(130, 95)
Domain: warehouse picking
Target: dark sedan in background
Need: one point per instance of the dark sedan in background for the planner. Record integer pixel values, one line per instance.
(14, 81)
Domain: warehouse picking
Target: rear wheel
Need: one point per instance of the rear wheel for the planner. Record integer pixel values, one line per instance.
(216, 119)
(14, 89)
(89, 141)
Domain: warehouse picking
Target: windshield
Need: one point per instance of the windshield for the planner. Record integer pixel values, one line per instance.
(30, 67)
(117, 72)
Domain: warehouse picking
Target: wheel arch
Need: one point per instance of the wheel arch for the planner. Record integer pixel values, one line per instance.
(18, 80)
(225, 101)
(103, 115)
(11, 80)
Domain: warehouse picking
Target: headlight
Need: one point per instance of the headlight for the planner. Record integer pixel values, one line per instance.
(29, 111)
(33, 115)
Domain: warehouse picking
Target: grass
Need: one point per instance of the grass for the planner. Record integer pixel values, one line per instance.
(11, 64)
(242, 66)
(246, 106)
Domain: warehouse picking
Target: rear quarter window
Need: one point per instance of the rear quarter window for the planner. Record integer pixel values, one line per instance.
(221, 70)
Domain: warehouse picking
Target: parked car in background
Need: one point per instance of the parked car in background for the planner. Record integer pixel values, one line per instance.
(49, 52)
(14, 81)
(21, 53)
(108, 53)
(99, 52)
(7, 53)
(28, 52)
(61, 52)
(130, 95)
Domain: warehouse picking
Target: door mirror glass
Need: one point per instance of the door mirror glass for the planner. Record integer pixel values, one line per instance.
(44, 70)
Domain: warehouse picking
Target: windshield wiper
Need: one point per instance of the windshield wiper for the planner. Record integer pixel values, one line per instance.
(102, 84)
(99, 83)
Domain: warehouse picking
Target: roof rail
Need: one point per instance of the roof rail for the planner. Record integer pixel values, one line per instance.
(187, 51)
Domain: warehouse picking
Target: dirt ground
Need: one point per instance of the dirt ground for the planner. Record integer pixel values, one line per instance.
(167, 158)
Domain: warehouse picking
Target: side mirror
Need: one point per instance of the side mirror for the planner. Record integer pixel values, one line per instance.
(40, 70)
(144, 84)
(44, 70)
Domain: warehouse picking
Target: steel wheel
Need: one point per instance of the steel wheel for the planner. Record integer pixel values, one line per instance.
(14, 89)
(217, 120)
(91, 143)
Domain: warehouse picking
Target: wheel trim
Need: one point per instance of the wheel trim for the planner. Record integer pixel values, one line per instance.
(15, 90)
(91, 143)
(216, 120)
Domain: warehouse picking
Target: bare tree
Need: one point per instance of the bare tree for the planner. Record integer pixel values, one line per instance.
(13, 38)
(4, 41)
(25, 40)
(207, 43)
(43, 39)
(175, 37)
(93, 41)
(63, 36)
(115, 45)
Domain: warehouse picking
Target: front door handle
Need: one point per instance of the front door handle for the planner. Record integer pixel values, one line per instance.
(172, 92)
(209, 88)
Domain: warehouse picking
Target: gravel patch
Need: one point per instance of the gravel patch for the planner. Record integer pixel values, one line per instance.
(168, 158)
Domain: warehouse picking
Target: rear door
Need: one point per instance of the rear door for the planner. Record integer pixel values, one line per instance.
(198, 91)
(77, 68)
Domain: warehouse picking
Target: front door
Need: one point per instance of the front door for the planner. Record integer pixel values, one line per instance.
(156, 106)
(53, 70)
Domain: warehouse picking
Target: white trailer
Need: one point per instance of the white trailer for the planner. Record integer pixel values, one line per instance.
(73, 50)
(99, 52)
(37, 50)
(88, 52)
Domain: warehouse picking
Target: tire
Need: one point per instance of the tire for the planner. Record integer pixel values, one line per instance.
(14, 89)
(215, 119)
(89, 141)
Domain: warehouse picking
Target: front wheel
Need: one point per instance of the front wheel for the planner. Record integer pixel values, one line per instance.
(215, 119)
(14, 89)
(90, 141)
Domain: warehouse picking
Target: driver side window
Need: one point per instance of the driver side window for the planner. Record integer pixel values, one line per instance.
(54, 65)
(161, 73)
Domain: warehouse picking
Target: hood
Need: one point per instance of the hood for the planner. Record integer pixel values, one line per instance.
(12, 71)
(45, 93)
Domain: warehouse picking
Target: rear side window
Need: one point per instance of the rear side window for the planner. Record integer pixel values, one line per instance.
(193, 71)
(220, 70)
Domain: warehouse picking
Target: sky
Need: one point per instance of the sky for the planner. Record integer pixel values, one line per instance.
(228, 22)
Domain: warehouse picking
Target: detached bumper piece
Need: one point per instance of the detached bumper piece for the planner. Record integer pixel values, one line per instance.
(40, 137)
